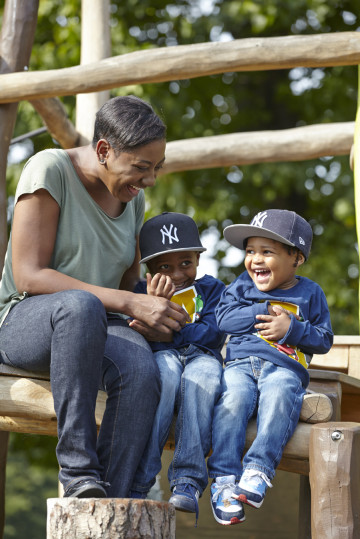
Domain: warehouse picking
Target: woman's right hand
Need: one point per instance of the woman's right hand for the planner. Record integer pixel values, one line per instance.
(157, 314)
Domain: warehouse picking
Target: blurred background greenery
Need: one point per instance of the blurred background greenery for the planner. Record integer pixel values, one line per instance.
(321, 190)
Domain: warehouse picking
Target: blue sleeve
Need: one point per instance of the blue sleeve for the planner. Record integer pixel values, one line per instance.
(141, 287)
(315, 335)
(204, 332)
(236, 315)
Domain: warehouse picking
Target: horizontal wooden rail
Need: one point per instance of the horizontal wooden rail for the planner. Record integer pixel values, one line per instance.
(185, 62)
(297, 144)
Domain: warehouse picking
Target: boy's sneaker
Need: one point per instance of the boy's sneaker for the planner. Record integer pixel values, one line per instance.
(87, 488)
(252, 487)
(316, 408)
(225, 509)
(185, 497)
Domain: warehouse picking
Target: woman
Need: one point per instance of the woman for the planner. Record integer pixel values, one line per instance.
(71, 265)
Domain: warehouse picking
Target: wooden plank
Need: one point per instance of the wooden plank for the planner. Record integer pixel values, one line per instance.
(347, 339)
(336, 359)
(185, 62)
(354, 360)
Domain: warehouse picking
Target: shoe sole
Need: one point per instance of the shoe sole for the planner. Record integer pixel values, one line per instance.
(182, 509)
(243, 499)
(316, 408)
(231, 522)
(89, 493)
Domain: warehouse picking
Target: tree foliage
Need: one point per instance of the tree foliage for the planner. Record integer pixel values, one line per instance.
(320, 190)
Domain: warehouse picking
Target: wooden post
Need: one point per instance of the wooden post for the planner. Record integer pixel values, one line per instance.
(109, 518)
(4, 442)
(95, 45)
(334, 456)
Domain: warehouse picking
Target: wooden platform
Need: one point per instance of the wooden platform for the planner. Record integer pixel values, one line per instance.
(26, 406)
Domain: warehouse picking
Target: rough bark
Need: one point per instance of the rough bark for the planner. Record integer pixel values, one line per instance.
(112, 518)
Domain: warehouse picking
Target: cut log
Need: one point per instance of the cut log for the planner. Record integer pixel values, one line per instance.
(110, 518)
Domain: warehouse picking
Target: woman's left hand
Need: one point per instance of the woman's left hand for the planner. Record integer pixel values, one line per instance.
(149, 333)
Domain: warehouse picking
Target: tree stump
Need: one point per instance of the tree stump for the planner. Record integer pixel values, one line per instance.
(335, 480)
(109, 518)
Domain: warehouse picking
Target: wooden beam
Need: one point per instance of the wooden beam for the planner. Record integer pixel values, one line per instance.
(57, 122)
(95, 45)
(297, 144)
(184, 62)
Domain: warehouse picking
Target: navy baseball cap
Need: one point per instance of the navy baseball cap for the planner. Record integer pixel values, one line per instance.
(167, 233)
(280, 225)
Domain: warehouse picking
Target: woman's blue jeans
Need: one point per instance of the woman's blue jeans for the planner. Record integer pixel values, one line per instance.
(190, 386)
(69, 335)
(253, 386)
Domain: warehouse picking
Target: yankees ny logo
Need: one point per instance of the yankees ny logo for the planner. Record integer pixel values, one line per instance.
(259, 219)
(171, 236)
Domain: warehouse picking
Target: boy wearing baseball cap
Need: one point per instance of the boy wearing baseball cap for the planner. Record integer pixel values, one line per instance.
(276, 321)
(190, 364)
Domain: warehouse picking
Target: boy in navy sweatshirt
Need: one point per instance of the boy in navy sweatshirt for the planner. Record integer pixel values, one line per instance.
(276, 321)
(190, 364)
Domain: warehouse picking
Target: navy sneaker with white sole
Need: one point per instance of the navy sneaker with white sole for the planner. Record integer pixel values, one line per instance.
(185, 497)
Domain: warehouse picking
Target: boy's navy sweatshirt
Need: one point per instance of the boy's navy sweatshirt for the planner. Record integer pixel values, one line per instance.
(203, 333)
(236, 314)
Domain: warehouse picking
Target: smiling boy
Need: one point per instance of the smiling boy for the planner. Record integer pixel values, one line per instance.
(276, 321)
(190, 362)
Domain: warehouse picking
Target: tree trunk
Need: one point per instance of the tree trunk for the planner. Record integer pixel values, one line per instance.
(109, 518)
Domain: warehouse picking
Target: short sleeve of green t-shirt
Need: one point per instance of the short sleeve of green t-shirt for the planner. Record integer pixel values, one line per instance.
(90, 245)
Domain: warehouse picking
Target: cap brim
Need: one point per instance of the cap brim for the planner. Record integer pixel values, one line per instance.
(237, 234)
(197, 249)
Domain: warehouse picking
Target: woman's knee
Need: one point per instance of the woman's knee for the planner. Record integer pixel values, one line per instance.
(138, 373)
(80, 306)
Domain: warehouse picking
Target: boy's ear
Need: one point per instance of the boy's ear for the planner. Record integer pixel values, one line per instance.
(300, 259)
(197, 258)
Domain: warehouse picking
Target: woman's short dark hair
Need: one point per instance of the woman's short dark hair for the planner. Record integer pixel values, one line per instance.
(127, 122)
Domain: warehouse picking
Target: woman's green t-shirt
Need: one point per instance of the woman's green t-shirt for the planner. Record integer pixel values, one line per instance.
(90, 245)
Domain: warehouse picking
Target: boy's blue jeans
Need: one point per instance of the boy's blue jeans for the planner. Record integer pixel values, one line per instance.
(253, 385)
(70, 334)
(191, 384)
